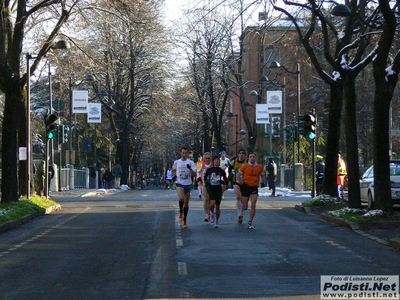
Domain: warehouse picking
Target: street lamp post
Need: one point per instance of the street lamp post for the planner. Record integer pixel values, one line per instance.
(49, 143)
(28, 124)
(276, 64)
(230, 115)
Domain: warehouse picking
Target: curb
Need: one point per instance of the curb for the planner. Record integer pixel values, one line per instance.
(25, 219)
(393, 242)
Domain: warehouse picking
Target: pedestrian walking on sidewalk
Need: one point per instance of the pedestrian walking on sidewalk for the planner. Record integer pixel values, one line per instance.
(41, 176)
(319, 173)
(117, 174)
(183, 169)
(272, 173)
(251, 172)
(341, 174)
(215, 180)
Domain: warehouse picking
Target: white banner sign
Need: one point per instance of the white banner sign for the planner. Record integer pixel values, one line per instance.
(262, 115)
(22, 153)
(80, 102)
(274, 102)
(94, 113)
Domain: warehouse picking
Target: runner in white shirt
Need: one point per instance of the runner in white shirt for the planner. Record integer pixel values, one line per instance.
(183, 170)
(224, 162)
(168, 179)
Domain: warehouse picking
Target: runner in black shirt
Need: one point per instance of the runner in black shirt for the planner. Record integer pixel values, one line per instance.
(215, 181)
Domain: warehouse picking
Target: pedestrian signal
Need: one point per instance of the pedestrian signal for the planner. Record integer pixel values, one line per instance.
(300, 127)
(288, 133)
(65, 134)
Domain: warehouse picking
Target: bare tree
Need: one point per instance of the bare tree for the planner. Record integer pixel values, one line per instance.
(347, 59)
(386, 78)
(18, 19)
(125, 47)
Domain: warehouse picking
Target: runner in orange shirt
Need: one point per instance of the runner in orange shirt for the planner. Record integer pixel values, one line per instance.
(250, 174)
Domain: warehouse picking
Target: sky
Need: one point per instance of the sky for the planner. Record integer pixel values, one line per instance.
(173, 8)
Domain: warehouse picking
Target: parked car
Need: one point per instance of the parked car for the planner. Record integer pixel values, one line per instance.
(367, 184)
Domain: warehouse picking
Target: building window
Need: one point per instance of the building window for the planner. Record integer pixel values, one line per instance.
(272, 53)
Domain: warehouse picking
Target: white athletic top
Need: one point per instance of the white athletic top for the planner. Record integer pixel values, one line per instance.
(183, 175)
(224, 163)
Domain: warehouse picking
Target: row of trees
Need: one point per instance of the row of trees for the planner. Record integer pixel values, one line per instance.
(364, 34)
(122, 44)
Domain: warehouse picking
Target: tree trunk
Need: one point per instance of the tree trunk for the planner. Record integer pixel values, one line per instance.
(332, 144)
(383, 95)
(22, 131)
(382, 192)
(349, 96)
(9, 186)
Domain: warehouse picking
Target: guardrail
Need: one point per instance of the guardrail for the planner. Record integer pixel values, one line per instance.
(70, 178)
(79, 179)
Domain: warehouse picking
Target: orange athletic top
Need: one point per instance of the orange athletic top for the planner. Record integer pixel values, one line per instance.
(251, 174)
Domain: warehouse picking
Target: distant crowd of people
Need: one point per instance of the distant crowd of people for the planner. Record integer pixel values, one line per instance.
(106, 178)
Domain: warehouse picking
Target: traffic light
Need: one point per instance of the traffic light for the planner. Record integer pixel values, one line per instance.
(51, 127)
(300, 126)
(59, 133)
(65, 134)
(289, 134)
(310, 126)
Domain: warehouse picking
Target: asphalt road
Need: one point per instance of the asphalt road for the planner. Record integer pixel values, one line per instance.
(130, 245)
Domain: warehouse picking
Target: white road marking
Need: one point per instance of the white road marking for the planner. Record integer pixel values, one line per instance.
(182, 270)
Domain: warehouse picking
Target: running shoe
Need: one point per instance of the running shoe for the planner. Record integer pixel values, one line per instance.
(184, 225)
(250, 226)
(240, 219)
(216, 224)
(200, 196)
(180, 217)
(212, 219)
(207, 218)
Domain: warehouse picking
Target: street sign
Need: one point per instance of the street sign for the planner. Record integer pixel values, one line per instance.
(22, 153)
(394, 132)
(86, 145)
(58, 105)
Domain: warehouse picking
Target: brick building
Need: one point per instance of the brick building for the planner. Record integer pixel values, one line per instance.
(261, 47)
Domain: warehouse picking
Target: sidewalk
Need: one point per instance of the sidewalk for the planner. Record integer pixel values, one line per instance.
(82, 192)
(68, 193)
(384, 232)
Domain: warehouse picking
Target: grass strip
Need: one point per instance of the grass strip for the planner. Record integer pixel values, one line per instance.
(10, 211)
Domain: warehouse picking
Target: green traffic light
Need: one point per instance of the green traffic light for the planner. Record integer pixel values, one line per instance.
(50, 135)
(311, 135)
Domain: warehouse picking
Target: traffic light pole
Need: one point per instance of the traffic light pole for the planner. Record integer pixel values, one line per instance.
(295, 121)
(70, 121)
(46, 176)
(313, 159)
